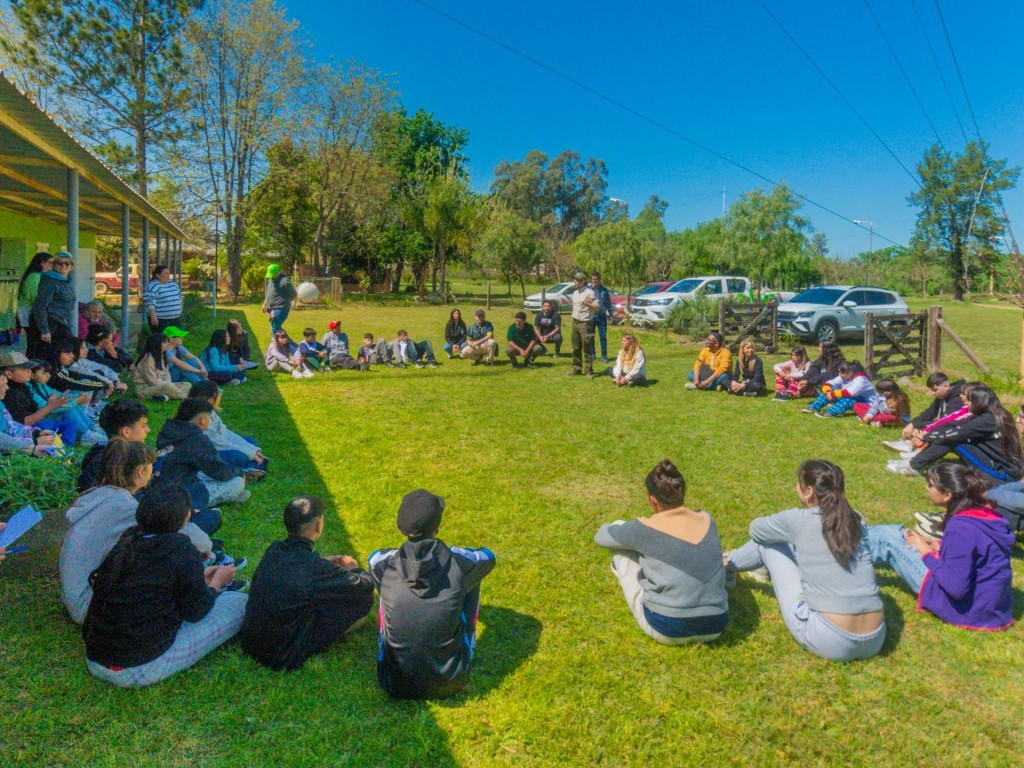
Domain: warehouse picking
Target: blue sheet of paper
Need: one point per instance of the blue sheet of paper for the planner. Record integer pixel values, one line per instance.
(24, 520)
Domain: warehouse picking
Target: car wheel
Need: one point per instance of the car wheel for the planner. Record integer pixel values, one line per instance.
(827, 331)
(101, 289)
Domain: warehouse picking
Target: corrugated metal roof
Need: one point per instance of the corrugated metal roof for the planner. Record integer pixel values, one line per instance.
(35, 155)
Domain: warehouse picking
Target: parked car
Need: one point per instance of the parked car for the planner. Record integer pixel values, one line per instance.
(619, 300)
(110, 282)
(655, 308)
(559, 292)
(831, 312)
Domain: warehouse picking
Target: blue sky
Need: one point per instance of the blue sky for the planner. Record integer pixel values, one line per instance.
(721, 73)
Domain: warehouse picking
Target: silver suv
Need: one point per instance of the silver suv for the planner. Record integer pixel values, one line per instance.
(831, 312)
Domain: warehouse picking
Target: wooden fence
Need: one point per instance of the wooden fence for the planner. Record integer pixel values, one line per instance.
(757, 322)
(909, 345)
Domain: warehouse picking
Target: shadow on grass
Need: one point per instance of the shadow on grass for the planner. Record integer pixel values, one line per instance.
(744, 616)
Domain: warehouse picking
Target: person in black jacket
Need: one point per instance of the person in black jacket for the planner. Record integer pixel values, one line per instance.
(454, 334)
(823, 369)
(188, 458)
(300, 602)
(947, 398)
(987, 439)
(748, 373)
(429, 601)
(128, 419)
(155, 611)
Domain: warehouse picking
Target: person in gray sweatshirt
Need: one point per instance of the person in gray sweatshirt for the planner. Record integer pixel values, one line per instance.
(101, 515)
(669, 565)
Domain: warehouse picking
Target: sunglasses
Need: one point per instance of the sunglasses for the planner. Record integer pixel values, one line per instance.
(63, 264)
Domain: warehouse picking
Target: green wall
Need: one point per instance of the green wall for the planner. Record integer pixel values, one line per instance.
(17, 227)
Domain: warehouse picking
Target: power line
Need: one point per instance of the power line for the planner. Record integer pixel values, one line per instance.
(839, 93)
(635, 113)
(959, 74)
(906, 77)
(938, 69)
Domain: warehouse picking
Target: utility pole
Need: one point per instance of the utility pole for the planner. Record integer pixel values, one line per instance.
(871, 241)
(723, 202)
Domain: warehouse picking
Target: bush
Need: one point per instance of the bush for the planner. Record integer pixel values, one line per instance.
(254, 278)
(695, 317)
(198, 270)
(45, 483)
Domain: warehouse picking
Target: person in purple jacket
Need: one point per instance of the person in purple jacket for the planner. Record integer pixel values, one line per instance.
(965, 578)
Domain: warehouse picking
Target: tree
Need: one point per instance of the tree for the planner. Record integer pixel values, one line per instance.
(244, 65)
(511, 244)
(284, 211)
(768, 239)
(704, 250)
(614, 249)
(660, 251)
(118, 66)
(959, 200)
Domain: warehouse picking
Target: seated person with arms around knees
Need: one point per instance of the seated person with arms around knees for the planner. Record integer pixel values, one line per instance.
(183, 365)
(151, 375)
(480, 340)
(238, 451)
(714, 363)
(454, 333)
(748, 373)
(547, 325)
(965, 578)
(103, 350)
(300, 602)
(669, 565)
(217, 361)
(283, 355)
(429, 602)
(127, 419)
(841, 394)
(335, 341)
(405, 350)
(820, 567)
(99, 517)
(314, 352)
(521, 342)
(789, 375)
(370, 353)
(631, 365)
(155, 611)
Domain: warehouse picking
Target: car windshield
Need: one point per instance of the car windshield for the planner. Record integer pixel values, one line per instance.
(818, 296)
(644, 290)
(557, 288)
(686, 286)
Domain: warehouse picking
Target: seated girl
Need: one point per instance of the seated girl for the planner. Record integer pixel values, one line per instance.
(238, 345)
(73, 408)
(103, 350)
(155, 611)
(631, 365)
(789, 376)
(454, 334)
(966, 578)
(15, 437)
(83, 364)
(748, 373)
(283, 355)
(820, 566)
(236, 450)
(840, 394)
(669, 565)
(152, 379)
(99, 517)
(826, 367)
(217, 360)
(890, 406)
(65, 379)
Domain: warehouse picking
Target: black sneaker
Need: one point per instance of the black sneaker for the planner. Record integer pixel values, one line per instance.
(418, 364)
(513, 364)
(401, 365)
(238, 585)
(432, 363)
(218, 544)
(529, 364)
(254, 475)
(390, 364)
(750, 394)
(161, 398)
(782, 397)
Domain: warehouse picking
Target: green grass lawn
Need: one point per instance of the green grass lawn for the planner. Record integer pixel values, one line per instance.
(531, 463)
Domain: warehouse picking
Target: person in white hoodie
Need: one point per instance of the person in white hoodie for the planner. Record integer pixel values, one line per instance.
(99, 517)
(238, 451)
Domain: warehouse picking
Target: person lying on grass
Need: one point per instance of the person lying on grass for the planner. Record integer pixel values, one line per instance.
(817, 558)
(965, 577)
(155, 609)
(299, 602)
(429, 602)
(669, 565)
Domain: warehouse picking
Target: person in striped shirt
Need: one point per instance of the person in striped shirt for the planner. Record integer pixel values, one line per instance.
(162, 299)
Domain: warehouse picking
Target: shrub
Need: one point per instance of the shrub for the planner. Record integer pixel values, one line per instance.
(45, 483)
(198, 270)
(254, 278)
(695, 317)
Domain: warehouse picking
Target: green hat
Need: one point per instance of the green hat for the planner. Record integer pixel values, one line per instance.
(272, 270)
(174, 332)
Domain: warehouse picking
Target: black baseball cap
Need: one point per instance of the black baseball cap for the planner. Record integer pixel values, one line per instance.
(419, 514)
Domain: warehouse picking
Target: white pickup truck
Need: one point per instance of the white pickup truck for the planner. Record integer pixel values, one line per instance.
(656, 307)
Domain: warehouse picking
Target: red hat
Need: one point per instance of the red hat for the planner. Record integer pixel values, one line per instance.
(333, 324)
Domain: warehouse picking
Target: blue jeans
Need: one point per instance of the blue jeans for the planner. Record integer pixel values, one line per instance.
(721, 381)
(240, 460)
(207, 520)
(888, 546)
(277, 318)
(179, 375)
(601, 329)
(66, 428)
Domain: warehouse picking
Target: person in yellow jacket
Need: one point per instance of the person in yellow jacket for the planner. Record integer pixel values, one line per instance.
(714, 363)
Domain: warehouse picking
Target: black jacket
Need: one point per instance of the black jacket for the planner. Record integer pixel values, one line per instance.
(137, 618)
(424, 586)
(941, 407)
(819, 372)
(982, 433)
(752, 376)
(299, 603)
(64, 380)
(183, 451)
(89, 474)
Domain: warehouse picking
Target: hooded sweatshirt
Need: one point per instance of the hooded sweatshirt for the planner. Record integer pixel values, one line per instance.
(969, 580)
(184, 451)
(424, 648)
(982, 433)
(54, 303)
(97, 521)
(941, 406)
(280, 293)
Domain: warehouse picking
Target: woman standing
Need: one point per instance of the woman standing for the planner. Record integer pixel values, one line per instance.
(55, 305)
(28, 288)
(162, 300)
(820, 566)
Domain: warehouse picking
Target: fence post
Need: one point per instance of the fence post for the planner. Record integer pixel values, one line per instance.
(773, 316)
(934, 338)
(488, 296)
(721, 318)
(869, 343)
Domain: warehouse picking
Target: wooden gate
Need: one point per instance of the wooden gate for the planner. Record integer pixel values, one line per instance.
(895, 345)
(757, 322)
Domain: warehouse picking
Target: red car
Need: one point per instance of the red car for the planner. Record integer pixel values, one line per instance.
(619, 301)
(110, 282)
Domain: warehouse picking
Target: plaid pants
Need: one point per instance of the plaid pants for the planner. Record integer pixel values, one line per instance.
(838, 407)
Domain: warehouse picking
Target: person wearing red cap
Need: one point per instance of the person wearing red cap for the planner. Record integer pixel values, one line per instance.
(336, 342)
(429, 602)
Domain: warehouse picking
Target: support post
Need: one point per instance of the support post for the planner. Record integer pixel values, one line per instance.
(72, 232)
(869, 343)
(156, 253)
(488, 296)
(963, 347)
(934, 338)
(125, 275)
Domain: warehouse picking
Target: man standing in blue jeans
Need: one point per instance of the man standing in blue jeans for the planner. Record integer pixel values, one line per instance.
(280, 293)
(604, 310)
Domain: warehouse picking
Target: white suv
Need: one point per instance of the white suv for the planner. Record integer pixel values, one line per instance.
(831, 312)
(655, 307)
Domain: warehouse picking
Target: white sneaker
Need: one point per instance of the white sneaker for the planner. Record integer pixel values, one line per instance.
(243, 497)
(689, 385)
(296, 374)
(308, 374)
(233, 382)
(898, 445)
(902, 468)
(908, 455)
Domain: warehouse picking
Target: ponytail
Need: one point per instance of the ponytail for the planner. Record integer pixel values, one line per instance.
(121, 459)
(840, 523)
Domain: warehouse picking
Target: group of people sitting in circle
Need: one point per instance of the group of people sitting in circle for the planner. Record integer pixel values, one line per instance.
(819, 558)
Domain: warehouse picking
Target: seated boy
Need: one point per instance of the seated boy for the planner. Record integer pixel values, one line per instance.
(183, 365)
(186, 457)
(335, 341)
(313, 352)
(16, 437)
(429, 601)
(300, 602)
(23, 407)
(128, 419)
(404, 350)
(238, 451)
(371, 354)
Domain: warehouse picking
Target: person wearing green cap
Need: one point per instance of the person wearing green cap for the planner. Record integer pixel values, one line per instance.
(183, 365)
(280, 293)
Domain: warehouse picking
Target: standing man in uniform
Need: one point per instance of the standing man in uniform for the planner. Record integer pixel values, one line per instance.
(604, 311)
(584, 307)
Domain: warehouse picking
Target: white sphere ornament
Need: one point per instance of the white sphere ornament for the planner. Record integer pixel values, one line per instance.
(307, 292)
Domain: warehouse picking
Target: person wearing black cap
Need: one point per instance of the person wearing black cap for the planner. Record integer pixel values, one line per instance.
(301, 602)
(429, 601)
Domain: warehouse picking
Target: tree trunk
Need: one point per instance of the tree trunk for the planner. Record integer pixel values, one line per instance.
(396, 280)
(522, 287)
